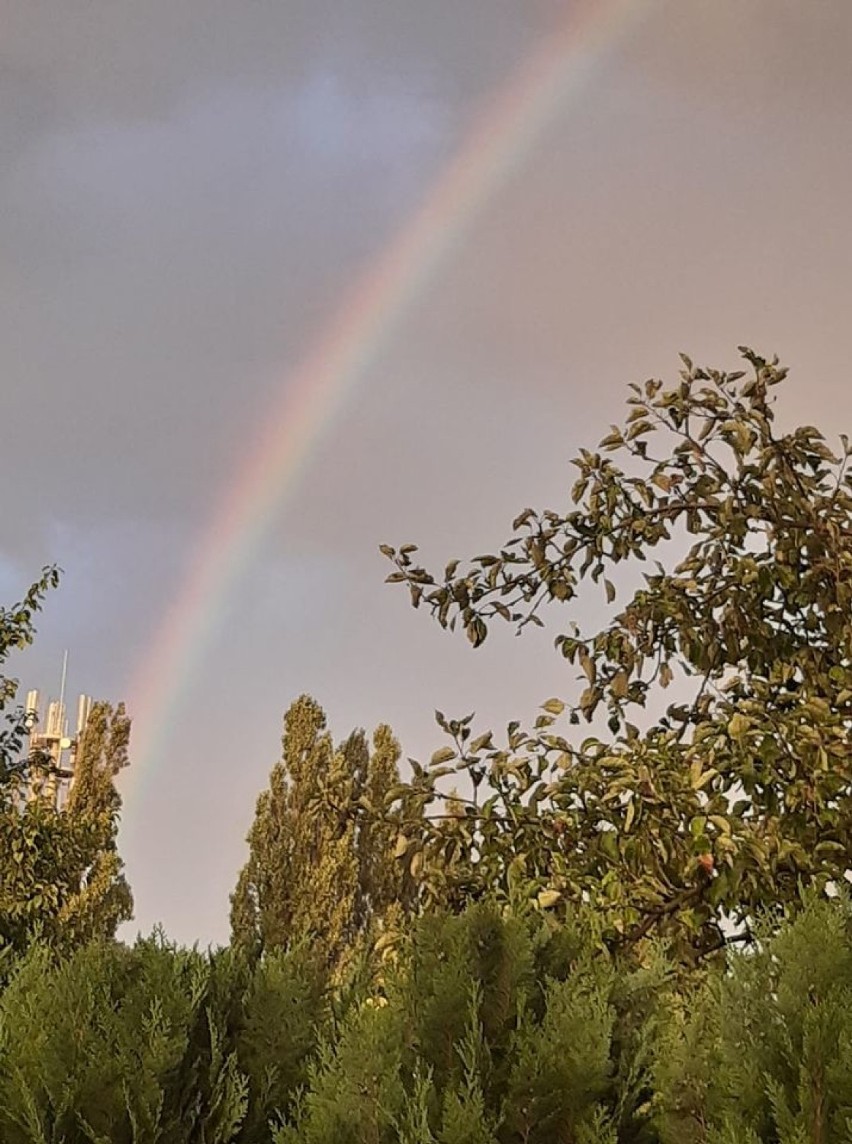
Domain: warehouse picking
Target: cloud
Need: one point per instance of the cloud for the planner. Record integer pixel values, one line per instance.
(134, 60)
(162, 275)
(757, 61)
(193, 187)
(189, 190)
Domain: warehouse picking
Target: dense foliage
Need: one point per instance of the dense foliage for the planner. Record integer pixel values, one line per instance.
(153, 1043)
(729, 547)
(488, 1027)
(637, 935)
(764, 1053)
(321, 848)
(60, 873)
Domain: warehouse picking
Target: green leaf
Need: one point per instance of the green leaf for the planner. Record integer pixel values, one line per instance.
(547, 899)
(629, 816)
(739, 726)
(442, 755)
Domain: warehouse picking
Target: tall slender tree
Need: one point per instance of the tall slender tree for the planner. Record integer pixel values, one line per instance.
(321, 865)
(60, 873)
(101, 897)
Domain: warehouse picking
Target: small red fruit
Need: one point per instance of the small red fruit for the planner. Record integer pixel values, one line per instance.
(705, 861)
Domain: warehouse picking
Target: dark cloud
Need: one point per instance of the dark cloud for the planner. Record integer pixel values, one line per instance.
(151, 268)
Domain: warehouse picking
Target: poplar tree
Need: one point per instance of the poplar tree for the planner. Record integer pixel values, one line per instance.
(321, 865)
(100, 899)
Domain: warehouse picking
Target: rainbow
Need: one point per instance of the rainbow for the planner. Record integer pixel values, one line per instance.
(313, 396)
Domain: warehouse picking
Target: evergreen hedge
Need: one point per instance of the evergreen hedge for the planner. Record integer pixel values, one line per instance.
(490, 1027)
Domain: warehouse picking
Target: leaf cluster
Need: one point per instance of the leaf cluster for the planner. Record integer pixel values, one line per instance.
(17, 629)
(715, 774)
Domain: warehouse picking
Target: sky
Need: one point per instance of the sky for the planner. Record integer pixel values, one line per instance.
(503, 213)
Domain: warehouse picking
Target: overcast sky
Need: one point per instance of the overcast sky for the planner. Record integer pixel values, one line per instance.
(189, 192)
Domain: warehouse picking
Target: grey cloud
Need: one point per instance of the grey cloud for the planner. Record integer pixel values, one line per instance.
(756, 60)
(138, 256)
(137, 59)
(189, 189)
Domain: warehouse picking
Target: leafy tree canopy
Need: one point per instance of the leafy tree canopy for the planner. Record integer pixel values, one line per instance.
(60, 873)
(17, 629)
(678, 809)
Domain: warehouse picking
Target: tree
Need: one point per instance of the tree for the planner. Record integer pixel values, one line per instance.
(62, 877)
(23, 841)
(17, 630)
(492, 1027)
(101, 899)
(118, 1044)
(60, 874)
(320, 866)
(679, 817)
(487, 1027)
(763, 1052)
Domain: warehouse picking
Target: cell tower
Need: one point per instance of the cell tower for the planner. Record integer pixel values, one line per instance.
(52, 750)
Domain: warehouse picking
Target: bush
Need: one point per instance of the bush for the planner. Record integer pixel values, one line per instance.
(764, 1053)
(484, 1028)
(111, 1044)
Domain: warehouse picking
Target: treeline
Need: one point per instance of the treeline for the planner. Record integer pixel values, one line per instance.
(631, 933)
(488, 1027)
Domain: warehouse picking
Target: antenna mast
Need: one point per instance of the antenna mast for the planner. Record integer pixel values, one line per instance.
(63, 722)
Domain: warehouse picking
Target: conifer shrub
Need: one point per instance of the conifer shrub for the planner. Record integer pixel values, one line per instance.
(485, 1027)
(492, 1026)
(111, 1044)
(280, 1014)
(763, 1053)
